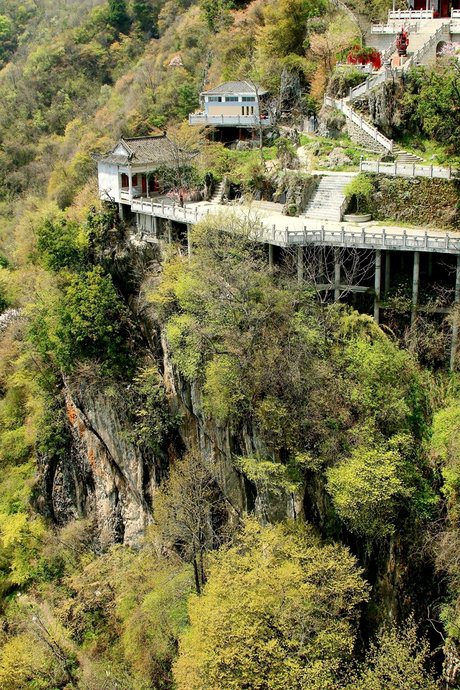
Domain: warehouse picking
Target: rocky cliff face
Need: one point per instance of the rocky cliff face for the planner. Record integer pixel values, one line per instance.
(106, 476)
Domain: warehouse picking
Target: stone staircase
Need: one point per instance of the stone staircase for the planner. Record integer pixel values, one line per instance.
(403, 156)
(366, 134)
(423, 41)
(328, 200)
(218, 193)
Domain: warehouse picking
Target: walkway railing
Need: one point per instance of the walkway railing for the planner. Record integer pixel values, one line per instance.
(398, 15)
(419, 56)
(352, 115)
(182, 214)
(395, 27)
(408, 170)
(229, 120)
(375, 239)
(312, 231)
(370, 83)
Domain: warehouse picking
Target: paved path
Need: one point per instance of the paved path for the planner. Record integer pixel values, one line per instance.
(275, 228)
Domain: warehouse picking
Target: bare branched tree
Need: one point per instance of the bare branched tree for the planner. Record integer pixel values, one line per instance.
(190, 513)
(336, 270)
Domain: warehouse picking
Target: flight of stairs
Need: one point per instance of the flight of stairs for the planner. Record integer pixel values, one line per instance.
(404, 156)
(218, 193)
(326, 203)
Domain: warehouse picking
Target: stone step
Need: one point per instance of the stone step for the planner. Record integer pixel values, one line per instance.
(328, 198)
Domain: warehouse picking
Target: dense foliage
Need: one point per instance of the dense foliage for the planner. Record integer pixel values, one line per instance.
(222, 375)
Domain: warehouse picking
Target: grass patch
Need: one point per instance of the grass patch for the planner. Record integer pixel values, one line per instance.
(430, 151)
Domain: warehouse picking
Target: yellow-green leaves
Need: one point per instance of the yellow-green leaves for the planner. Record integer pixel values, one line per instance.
(367, 488)
(278, 612)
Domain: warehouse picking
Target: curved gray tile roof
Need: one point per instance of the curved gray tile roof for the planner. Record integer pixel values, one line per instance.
(235, 87)
(142, 151)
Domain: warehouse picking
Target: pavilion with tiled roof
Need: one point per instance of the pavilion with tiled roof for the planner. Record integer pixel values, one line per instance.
(126, 171)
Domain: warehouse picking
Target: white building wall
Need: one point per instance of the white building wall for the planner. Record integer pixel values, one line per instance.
(109, 181)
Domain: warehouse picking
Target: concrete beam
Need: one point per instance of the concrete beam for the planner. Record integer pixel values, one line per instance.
(270, 257)
(377, 284)
(337, 271)
(387, 271)
(328, 287)
(454, 343)
(189, 241)
(415, 287)
(300, 265)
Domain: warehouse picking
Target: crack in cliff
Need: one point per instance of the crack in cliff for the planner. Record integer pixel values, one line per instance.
(127, 481)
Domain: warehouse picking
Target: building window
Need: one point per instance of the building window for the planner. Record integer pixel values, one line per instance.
(215, 99)
(248, 99)
(124, 181)
(231, 99)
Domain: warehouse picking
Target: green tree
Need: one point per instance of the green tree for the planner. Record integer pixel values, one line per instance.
(285, 26)
(279, 610)
(397, 660)
(118, 16)
(187, 99)
(60, 244)
(7, 38)
(216, 13)
(146, 13)
(368, 488)
(85, 322)
(360, 188)
(431, 102)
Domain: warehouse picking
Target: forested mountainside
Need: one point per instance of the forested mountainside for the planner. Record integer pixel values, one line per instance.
(210, 479)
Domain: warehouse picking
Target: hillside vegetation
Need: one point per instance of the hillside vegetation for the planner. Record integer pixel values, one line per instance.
(338, 570)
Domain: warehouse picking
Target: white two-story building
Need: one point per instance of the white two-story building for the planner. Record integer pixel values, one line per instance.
(233, 104)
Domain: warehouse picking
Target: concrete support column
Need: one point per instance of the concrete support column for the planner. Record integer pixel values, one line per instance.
(155, 226)
(430, 265)
(130, 183)
(377, 284)
(189, 242)
(387, 271)
(415, 286)
(337, 272)
(121, 211)
(270, 257)
(300, 265)
(454, 343)
(169, 233)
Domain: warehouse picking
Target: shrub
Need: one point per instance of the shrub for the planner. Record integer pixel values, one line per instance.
(360, 188)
